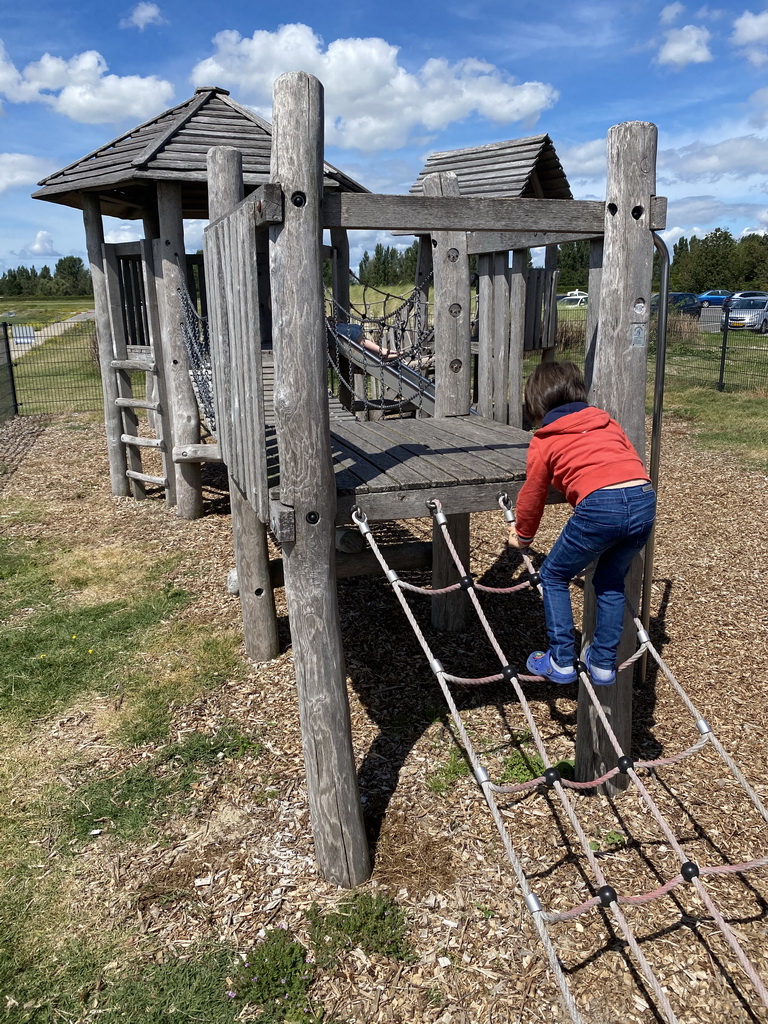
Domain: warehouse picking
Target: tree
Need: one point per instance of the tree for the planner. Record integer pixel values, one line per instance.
(71, 278)
(573, 264)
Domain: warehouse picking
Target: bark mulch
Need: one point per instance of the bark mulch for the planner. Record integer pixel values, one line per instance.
(243, 861)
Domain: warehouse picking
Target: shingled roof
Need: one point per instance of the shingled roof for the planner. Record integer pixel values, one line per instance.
(518, 168)
(173, 147)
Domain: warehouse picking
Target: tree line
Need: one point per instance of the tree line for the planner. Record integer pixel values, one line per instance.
(718, 260)
(70, 277)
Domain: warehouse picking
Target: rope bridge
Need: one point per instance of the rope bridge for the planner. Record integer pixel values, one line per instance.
(606, 896)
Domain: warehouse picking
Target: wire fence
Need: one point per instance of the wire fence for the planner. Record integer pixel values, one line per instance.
(699, 352)
(55, 368)
(51, 368)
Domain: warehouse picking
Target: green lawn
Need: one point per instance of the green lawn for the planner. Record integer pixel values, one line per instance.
(37, 310)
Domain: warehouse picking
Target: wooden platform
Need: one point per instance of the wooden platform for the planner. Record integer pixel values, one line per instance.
(391, 468)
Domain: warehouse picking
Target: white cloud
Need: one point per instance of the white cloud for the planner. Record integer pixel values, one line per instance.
(18, 169)
(42, 247)
(750, 34)
(124, 232)
(671, 13)
(740, 158)
(587, 160)
(372, 102)
(143, 14)
(80, 88)
(686, 45)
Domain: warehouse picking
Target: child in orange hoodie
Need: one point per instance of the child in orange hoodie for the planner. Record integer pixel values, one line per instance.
(581, 451)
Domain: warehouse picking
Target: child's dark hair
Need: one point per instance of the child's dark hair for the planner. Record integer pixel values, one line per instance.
(550, 385)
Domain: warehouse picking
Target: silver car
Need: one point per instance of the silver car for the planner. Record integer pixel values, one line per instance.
(746, 315)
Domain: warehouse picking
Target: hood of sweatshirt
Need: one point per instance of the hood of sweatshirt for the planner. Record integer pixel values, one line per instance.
(586, 418)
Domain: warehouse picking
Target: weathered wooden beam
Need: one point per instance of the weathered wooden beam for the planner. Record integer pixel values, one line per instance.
(453, 367)
(197, 453)
(113, 420)
(249, 534)
(618, 385)
(439, 213)
(184, 413)
(307, 482)
(264, 204)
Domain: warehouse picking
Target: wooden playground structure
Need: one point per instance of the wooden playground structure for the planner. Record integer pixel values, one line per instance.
(298, 464)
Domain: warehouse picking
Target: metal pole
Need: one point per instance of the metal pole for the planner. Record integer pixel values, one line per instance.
(658, 405)
(724, 347)
(7, 345)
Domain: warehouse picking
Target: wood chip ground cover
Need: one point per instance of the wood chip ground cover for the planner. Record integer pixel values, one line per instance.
(236, 857)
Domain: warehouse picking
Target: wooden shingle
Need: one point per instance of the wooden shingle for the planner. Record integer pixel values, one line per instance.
(173, 147)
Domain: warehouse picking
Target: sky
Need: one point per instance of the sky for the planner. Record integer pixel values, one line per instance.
(401, 80)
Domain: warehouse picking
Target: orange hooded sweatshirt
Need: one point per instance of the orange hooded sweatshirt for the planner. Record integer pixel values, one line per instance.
(577, 453)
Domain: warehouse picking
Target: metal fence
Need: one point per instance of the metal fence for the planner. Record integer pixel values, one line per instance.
(52, 368)
(699, 352)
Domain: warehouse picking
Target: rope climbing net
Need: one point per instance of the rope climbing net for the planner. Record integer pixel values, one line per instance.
(385, 362)
(198, 348)
(606, 896)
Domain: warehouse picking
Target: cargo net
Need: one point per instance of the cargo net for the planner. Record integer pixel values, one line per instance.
(384, 362)
(606, 898)
(198, 348)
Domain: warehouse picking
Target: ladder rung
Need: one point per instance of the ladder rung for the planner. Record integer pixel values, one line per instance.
(145, 478)
(137, 403)
(146, 365)
(143, 442)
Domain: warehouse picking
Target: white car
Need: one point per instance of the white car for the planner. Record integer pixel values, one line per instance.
(746, 315)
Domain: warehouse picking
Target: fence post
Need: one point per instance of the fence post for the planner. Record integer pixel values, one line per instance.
(14, 405)
(723, 349)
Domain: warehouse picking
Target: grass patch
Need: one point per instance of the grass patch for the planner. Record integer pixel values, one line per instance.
(522, 766)
(724, 421)
(277, 976)
(374, 923)
(455, 768)
(38, 310)
(124, 805)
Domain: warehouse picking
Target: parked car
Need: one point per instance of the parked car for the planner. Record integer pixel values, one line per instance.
(750, 314)
(714, 297)
(679, 302)
(745, 295)
(572, 300)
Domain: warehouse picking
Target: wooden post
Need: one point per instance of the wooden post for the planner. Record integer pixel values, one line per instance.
(307, 484)
(249, 534)
(518, 291)
(593, 307)
(618, 385)
(485, 285)
(340, 311)
(184, 415)
(453, 364)
(113, 420)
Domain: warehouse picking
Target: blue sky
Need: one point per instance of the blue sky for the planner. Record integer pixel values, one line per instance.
(401, 80)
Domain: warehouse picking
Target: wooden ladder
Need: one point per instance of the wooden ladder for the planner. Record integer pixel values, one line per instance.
(129, 405)
(136, 348)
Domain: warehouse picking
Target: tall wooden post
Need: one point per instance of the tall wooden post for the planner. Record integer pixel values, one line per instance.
(307, 487)
(453, 366)
(249, 534)
(113, 421)
(340, 311)
(518, 291)
(184, 415)
(618, 386)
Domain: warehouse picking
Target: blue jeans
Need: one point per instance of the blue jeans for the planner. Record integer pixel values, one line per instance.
(610, 526)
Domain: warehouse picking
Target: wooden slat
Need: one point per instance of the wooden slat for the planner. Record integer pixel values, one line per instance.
(143, 442)
(430, 213)
(145, 365)
(137, 403)
(146, 478)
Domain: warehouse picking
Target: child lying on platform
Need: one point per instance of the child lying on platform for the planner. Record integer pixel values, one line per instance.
(581, 451)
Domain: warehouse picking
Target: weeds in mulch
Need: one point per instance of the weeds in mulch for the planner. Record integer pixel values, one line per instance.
(374, 923)
(276, 975)
(125, 804)
(521, 766)
(455, 768)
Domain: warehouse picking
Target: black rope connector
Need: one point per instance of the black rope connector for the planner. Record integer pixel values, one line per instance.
(689, 871)
(466, 583)
(625, 763)
(607, 895)
(534, 579)
(507, 673)
(551, 776)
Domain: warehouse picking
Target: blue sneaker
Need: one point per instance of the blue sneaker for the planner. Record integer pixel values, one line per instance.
(540, 664)
(607, 676)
